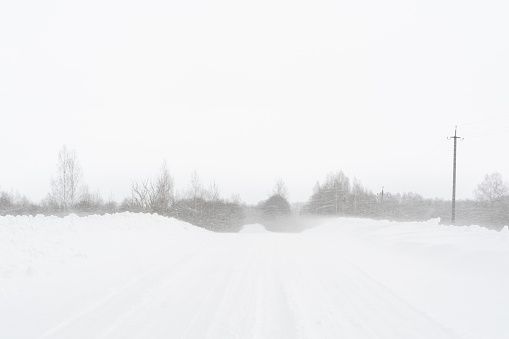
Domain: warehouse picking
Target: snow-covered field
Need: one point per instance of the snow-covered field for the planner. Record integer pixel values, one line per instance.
(145, 276)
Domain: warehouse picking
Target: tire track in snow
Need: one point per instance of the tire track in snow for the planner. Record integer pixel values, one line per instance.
(102, 316)
(253, 286)
(367, 308)
(254, 305)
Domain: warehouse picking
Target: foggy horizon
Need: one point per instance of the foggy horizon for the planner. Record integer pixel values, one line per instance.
(248, 93)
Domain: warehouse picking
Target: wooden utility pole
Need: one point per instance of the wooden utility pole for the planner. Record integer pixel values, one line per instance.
(381, 195)
(455, 137)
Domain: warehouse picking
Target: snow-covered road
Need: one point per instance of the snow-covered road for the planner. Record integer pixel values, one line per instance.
(343, 279)
(253, 286)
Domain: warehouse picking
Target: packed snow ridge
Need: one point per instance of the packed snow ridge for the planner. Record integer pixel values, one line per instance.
(146, 276)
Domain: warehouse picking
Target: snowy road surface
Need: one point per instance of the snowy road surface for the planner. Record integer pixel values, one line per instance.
(254, 286)
(344, 279)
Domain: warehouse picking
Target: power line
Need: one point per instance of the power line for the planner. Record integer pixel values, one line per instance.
(487, 129)
(489, 132)
(484, 121)
(428, 160)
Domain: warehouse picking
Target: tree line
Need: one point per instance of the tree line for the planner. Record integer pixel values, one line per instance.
(336, 195)
(202, 206)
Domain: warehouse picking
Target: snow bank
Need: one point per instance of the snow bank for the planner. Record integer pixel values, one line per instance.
(50, 267)
(42, 245)
(456, 275)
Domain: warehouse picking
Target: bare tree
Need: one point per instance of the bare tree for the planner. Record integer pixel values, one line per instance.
(213, 193)
(195, 187)
(67, 186)
(331, 196)
(236, 199)
(280, 189)
(140, 195)
(492, 188)
(358, 192)
(492, 192)
(153, 195)
(162, 189)
(89, 202)
(195, 191)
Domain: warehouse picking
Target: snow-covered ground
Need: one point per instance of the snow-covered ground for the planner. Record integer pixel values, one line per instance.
(145, 276)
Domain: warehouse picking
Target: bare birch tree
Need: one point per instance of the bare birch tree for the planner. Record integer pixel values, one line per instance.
(493, 192)
(195, 186)
(67, 186)
(196, 191)
(163, 191)
(491, 189)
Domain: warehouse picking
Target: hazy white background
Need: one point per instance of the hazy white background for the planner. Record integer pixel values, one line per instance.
(247, 92)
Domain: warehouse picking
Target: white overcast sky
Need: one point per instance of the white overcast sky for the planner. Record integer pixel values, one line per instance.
(245, 92)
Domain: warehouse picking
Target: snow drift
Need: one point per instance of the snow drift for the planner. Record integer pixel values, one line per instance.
(42, 245)
(139, 275)
(457, 275)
